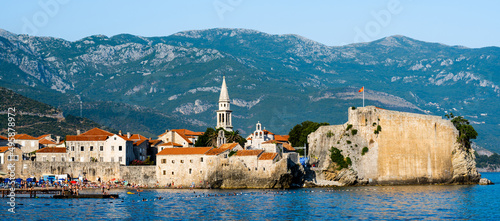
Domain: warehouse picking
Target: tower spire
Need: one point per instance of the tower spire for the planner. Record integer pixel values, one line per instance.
(224, 95)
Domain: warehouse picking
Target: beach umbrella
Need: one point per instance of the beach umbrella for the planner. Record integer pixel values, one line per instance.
(73, 182)
(113, 179)
(6, 180)
(18, 180)
(29, 179)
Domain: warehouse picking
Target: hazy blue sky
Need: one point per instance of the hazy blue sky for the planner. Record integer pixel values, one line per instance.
(468, 23)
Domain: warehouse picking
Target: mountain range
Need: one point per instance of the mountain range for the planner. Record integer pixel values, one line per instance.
(149, 84)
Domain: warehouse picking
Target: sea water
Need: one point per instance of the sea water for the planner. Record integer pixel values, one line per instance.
(457, 202)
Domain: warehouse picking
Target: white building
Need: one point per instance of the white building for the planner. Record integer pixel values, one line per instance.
(98, 145)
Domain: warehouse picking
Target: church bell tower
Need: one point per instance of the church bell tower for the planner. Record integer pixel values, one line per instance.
(224, 113)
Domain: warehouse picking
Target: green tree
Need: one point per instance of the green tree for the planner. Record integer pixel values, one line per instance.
(466, 132)
(209, 138)
(298, 134)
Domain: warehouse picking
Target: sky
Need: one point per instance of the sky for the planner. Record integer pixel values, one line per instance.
(468, 23)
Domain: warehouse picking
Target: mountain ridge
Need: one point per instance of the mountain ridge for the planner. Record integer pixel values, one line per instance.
(277, 79)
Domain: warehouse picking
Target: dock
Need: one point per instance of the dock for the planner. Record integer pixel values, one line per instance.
(33, 192)
(87, 196)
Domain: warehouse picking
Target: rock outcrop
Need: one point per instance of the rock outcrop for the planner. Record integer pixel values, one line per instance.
(390, 147)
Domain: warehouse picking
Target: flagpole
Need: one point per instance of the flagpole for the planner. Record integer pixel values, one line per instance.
(363, 96)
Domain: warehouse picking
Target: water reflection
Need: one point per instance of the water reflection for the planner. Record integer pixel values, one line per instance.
(384, 202)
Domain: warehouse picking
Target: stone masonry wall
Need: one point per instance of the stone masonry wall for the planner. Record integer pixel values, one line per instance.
(409, 148)
(92, 170)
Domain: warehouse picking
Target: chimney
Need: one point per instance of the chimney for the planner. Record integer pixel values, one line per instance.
(58, 139)
(120, 132)
(128, 134)
(172, 133)
(77, 132)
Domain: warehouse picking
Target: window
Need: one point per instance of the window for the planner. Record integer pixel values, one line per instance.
(112, 148)
(164, 172)
(115, 138)
(53, 159)
(255, 168)
(101, 148)
(62, 159)
(100, 159)
(120, 159)
(225, 155)
(201, 171)
(119, 148)
(191, 161)
(201, 160)
(72, 148)
(163, 161)
(182, 161)
(263, 168)
(112, 159)
(43, 159)
(91, 148)
(190, 170)
(72, 159)
(82, 148)
(173, 161)
(172, 172)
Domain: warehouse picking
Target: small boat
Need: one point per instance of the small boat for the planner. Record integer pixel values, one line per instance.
(84, 196)
(130, 193)
(139, 190)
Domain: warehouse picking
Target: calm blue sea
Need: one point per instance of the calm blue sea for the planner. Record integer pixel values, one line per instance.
(465, 202)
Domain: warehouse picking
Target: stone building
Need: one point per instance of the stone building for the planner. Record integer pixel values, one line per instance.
(51, 154)
(183, 166)
(97, 145)
(11, 156)
(184, 137)
(27, 143)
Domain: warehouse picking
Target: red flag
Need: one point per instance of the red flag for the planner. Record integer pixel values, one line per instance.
(361, 90)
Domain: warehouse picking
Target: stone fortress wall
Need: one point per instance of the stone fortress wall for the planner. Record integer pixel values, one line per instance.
(409, 149)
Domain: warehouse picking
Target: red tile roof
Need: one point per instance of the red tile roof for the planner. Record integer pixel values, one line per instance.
(3, 149)
(187, 132)
(3, 138)
(216, 151)
(181, 133)
(288, 147)
(43, 136)
(97, 131)
(124, 137)
(271, 141)
(154, 142)
(137, 137)
(170, 144)
(249, 138)
(86, 138)
(229, 145)
(52, 150)
(46, 142)
(282, 138)
(249, 152)
(268, 156)
(184, 151)
(267, 132)
(139, 142)
(24, 137)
